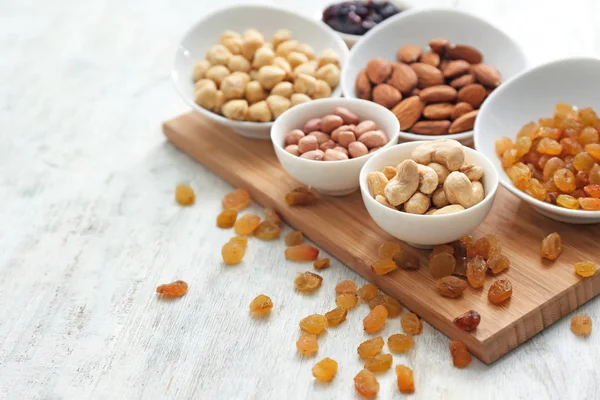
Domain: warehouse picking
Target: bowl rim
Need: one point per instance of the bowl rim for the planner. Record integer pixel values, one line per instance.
(551, 208)
(249, 124)
(340, 101)
(489, 195)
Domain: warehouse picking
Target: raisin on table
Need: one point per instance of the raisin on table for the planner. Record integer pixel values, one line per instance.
(392, 305)
(365, 383)
(367, 292)
(246, 224)
(476, 268)
(585, 268)
(307, 282)
(383, 267)
(184, 195)
(307, 344)
(294, 238)
(325, 370)
(375, 320)
(500, 291)
(441, 265)
(387, 250)
(261, 305)
(460, 355)
(370, 347)
(379, 363)
(236, 200)
(346, 301)
(400, 343)
(411, 324)
(323, 263)
(233, 252)
(346, 286)
(336, 316)
(404, 377)
(551, 246)
(301, 252)
(267, 230)
(581, 325)
(315, 323)
(226, 219)
(301, 197)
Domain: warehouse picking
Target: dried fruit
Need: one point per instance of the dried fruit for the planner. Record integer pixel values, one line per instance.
(498, 263)
(387, 250)
(301, 252)
(468, 321)
(226, 219)
(323, 263)
(379, 363)
(307, 282)
(400, 343)
(392, 305)
(370, 347)
(233, 252)
(367, 292)
(500, 291)
(588, 203)
(551, 246)
(564, 179)
(307, 344)
(592, 190)
(272, 216)
(411, 324)
(236, 200)
(406, 260)
(481, 247)
(441, 264)
(404, 378)
(325, 370)
(581, 325)
(267, 230)
(336, 316)
(241, 240)
(294, 238)
(185, 195)
(476, 268)
(441, 248)
(301, 197)
(365, 383)
(261, 305)
(315, 323)
(246, 224)
(549, 146)
(346, 286)
(502, 145)
(460, 355)
(567, 201)
(585, 268)
(451, 286)
(520, 175)
(176, 289)
(384, 266)
(346, 301)
(375, 320)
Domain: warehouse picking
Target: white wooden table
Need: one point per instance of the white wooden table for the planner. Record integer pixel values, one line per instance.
(89, 228)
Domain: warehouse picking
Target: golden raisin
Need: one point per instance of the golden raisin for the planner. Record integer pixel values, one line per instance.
(387, 250)
(294, 238)
(495, 247)
(571, 146)
(519, 174)
(392, 305)
(307, 344)
(476, 268)
(241, 240)
(226, 219)
(384, 266)
(594, 175)
(551, 246)
(261, 305)
(323, 263)
(272, 216)
(307, 282)
(325, 370)
(551, 166)
(379, 363)
(502, 145)
(346, 286)
(406, 260)
(411, 324)
(236, 200)
(367, 292)
(481, 247)
(315, 323)
(267, 230)
(536, 189)
(301, 252)
(185, 195)
(370, 347)
(346, 301)
(301, 197)
(441, 248)
(400, 343)
(529, 129)
(468, 321)
(589, 203)
(509, 158)
(336, 316)
(460, 355)
(498, 263)
(564, 179)
(365, 383)
(523, 144)
(592, 190)
(583, 162)
(566, 201)
(581, 325)
(233, 252)
(585, 268)
(451, 286)
(404, 377)
(375, 320)
(549, 146)
(176, 289)
(589, 135)
(246, 224)
(593, 149)
(500, 291)
(441, 264)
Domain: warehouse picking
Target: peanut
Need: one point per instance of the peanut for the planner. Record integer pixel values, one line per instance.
(357, 149)
(347, 116)
(331, 122)
(307, 143)
(293, 136)
(332, 155)
(373, 139)
(345, 138)
(315, 155)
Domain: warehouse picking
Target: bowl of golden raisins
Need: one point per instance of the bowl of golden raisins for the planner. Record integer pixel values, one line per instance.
(541, 130)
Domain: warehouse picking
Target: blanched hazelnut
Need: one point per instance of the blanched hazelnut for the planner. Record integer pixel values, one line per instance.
(203, 82)
(263, 56)
(285, 89)
(235, 109)
(329, 56)
(219, 103)
(234, 45)
(233, 87)
(281, 36)
(307, 50)
(242, 75)
(308, 68)
(269, 76)
(255, 92)
(321, 90)
(330, 74)
(253, 75)
(200, 69)
(228, 34)
(238, 63)
(259, 112)
(217, 73)
(296, 58)
(284, 65)
(299, 98)
(305, 84)
(269, 45)
(206, 97)
(278, 104)
(218, 55)
(286, 48)
(251, 41)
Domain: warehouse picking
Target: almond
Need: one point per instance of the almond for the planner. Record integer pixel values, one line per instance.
(486, 75)
(464, 52)
(438, 94)
(386, 95)
(439, 111)
(415, 92)
(378, 70)
(474, 94)
(456, 68)
(431, 127)
(461, 109)
(409, 53)
(362, 86)
(439, 45)
(408, 111)
(431, 58)
(427, 75)
(403, 78)
(463, 81)
(464, 122)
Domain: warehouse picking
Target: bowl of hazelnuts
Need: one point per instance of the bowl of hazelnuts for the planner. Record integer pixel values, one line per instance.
(433, 69)
(245, 65)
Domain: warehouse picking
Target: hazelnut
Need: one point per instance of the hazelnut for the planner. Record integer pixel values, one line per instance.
(218, 55)
(255, 92)
(233, 87)
(263, 56)
(242, 75)
(238, 63)
(259, 112)
(299, 98)
(386, 95)
(286, 48)
(217, 73)
(378, 70)
(285, 89)
(200, 69)
(329, 56)
(233, 44)
(269, 76)
(205, 82)
(321, 90)
(307, 50)
(218, 107)
(296, 58)
(278, 104)
(305, 84)
(284, 65)
(206, 97)
(308, 68)
(330, 74)
(235, 109)
(282, 35)
(252, 41)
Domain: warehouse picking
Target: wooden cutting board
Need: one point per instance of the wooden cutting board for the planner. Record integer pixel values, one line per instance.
(543, 291)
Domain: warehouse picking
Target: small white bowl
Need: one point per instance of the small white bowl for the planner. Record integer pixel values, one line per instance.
(420, 27)
(425, 231)
(351, 40)
(335, 178)
(266, 19)
(529, 97)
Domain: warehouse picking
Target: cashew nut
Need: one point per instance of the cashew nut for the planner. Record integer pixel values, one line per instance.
(454, 208)
(376, 181)
(431, 211)
(472, 171)
(478, 193)
(389, 171)
(428, 179)
(447, 152)
(458, 189)
(383, 200)
(404, 184)
(441, 171)
(439, 198)
(417, 204)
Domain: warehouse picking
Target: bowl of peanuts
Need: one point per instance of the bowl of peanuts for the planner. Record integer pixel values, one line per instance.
(324, 143)
(243, 66)
(542, 132)
(428, 192)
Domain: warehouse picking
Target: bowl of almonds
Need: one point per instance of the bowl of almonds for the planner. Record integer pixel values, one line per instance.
(433, 69)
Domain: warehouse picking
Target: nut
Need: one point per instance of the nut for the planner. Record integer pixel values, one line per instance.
(431, 211)
(269, 76)
(439, 111)
(217, 73)
(218, 55)
(428, 179)
(386, 95)
(364, 127)
(307, 143)
(238, 63)
(285, 89)
(439, 45)
(305, 84)
(330, 144)
(472, 171)
(378, 70)
(427, 75)
(447, 152)
(372, 139)
(404, 184)
(389, 171)
(285, 48)
(299, 98)
(441, 171)
(408, 111)
(403, 78)
(347, 116)
(486, 75)
(255, 92)
(284, 65)
(259, 112)
(357, 149)
(344, 138)
(322, 137)
(456, 68)
(332, 155)
(315, 155)
(308, 68)
(376, 181)
(220, 101)
(461, 109)
(292, 149)
(278, 104)
(263, 56)
(478, 193)
(313, 124)
(235, 109)
(454, 208)
(296, 58)
(330, 73)
(293, 136)
(202, 83)
(362, 85)
(307, 50)
(331, 122)
(465, 122)
(321, 90)
(206, 97)
(242, 75)
(431, 59)
(464, 52)
(252, 40)
(199, 71)
(336, 132)
(439, 198)
(233, 87)
(431, 127)
(417, 204)
(329, 56)
(462, 81)
(382, 200)
(409, 53)
(233, 44)
(282, 35)
(458, 189)
(340, 148)
(438, 94)
(474, 94)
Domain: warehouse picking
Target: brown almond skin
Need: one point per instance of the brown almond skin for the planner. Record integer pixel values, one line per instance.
(386, 95)
(427, 75)
(415, 92)
(464, 52)
(430, 58)
(474, 94)
(431, 127)
(464, 123)
(403, 78)
(456, 68)
(486, 75)
(408, 111)
(439, 45)
(409, 53)
(362, 86)
(461, 109)
(439, 111)
(463, 81)
(438, 94)
(378, 70)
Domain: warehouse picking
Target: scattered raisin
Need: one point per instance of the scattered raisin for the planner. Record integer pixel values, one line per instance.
(246, 224)
(226, 219)
(315, 323)
(267, 230)
(307, 282)
(476, 268)
(241, 240)
(404, 376)
(323, 263)
(442, 264)
(460, 355)
(346, 286)
(301, 252)
(236, 200)
(307, 344)
(185, 195)
(301, 197)
(551, 246)
(325, 370)
(379, 363)
(272, 216)
(585, 268)
(375, 320)
(336, 316)
(387, 250)
(346, 301)
(392, 305)
(233, 252)
(480, 247)
(441, 248)
(406, 260)
(468, 321)
(411, 324)
(500, 291)
(177, 289)
(451, 286)
(400, 343)
(384, 266)
(498, 263)
(261, 305)
(581, 325)
(367, 292)
(365, 383)
(370, 347)
(294, 238)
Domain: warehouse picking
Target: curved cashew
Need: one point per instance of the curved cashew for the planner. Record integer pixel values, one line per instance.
(458, 189)
(449, 209)
(472, 171)
(441, 171)
(404, 184)
(376, 181)
(431, 211)
(439, 198)
(478, 193)
(428, 179)
(447, 152)
(417, 204)
(381, 199)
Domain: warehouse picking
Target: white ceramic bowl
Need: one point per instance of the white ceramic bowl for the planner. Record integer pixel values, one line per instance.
(335, 178)
(420, 27)
(425, 231)
(528, 97)
(267, 19)
(349, 39)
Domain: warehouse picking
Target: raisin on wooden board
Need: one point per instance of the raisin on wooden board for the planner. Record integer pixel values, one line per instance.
(175, 289)
(387, 250)
(585, 269)
(551, 246)
(500, 291)
(301, 252)
(468, 321)
(301, 197)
